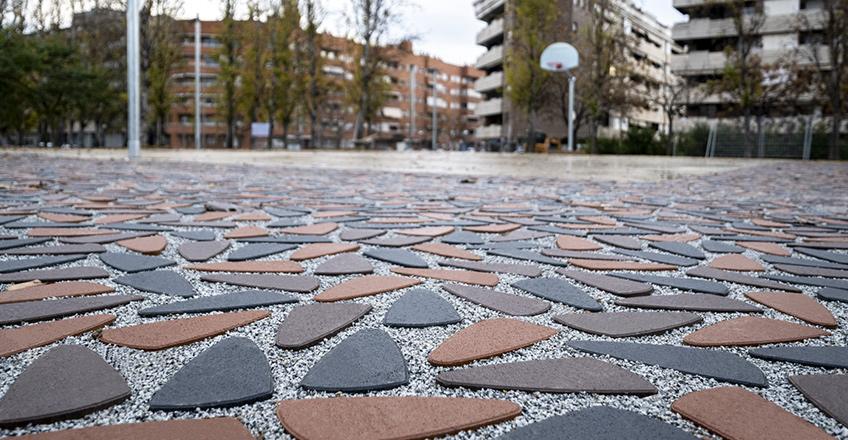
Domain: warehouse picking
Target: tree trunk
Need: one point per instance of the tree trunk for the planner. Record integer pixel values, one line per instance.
(270, 142)
(670, 139)
(747, 127)
(593, 127)
(286, 134)
(761, 148)
(833, 150)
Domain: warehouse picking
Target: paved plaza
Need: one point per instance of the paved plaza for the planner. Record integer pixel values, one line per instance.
(445, 294)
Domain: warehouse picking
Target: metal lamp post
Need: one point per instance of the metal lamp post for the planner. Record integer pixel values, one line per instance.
(561, 58)
(133, 81)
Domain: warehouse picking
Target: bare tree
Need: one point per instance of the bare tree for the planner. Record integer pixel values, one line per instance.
(253, 70)
(160, 55)
(229, 58)
(315, 79)
(672, 97)
(285, 82)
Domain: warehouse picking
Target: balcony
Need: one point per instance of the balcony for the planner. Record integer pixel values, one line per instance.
(490, 32)
(484, 9)
(492, 58)
(488, 132)
(700, 62)
(702, 28)
(490, 107)
(489, 82)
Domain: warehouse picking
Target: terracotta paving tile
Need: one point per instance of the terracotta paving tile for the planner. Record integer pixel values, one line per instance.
(736, 262)
(365, 286)
(212, 216)
(17, 340)
(223, 428)
(460, 276)
(68, 232)
(766, 248)
(42, 291)
(275, 266)
(798, 305)
(616, 286)
(314, 229)
(516, 269)
(619, 265)
(569, 243)
(493, 229)
(152, 245)
(446, 250)
(257, 216)
(749, 330)
(317, 250)
(62, 218)
(431, 231)
(488, 338)
(117, 218)
(682, 238)
(174, 332)
(247, 232)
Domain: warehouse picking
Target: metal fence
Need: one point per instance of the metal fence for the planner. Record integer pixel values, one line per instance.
(770, 139)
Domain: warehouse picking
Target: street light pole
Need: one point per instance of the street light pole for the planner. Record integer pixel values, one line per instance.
(133, 81)
(197, 114)
(435, 122)
(571, 80)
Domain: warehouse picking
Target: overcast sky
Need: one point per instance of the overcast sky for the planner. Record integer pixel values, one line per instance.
(443, 28)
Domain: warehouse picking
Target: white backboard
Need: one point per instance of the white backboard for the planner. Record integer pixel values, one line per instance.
(559, 57)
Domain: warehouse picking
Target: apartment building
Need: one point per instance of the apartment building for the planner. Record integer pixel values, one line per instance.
(421, 89)
(650, 56)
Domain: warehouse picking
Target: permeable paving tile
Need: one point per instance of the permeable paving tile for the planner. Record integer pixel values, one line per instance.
(520, 235)
(620, 241)
(401, 257)
(619, 265)
(247, 232)
(396, 241)
(569, 243)
(599, 423)
(446, 250)
(625, 324)
(222, 428)
(827, 357)
(67, 232)
(488, 338)
(407, 417)
(462, 237)
(558, 290)
(579, 254)
(246, 299)
(104, 239)
(717, 364)
(826, 391)
(117, 218)
(152, 245)
(21, 242)
(68, 273)
(824, 255)
(527, 255)
(134, 263)
(317, 250)
(683, 249)
(750, 330)
(275, 266)
(737, 414)
(710, 287)
(67, 249)
(832, 294)
(738, 278)
(345, 264)
(295, 283)
(810, 281)
(430, 231)
(695, 302)
(515, 269)
(798, 305)
(41, 310)
(499, 301)
(37, 292)
(565, 375)
(201, 235)
(258, 250)
(365, 286)
(616, 286)
(202, 250)
(68, 381)
(802, 262)
(232, 372)
(360, 234)
(421, 308)
(35, 263)
(494, 228)
(171, 333)
(765, 248)
(658, 257)
(314, 229)
(459, 276)
(812, 271)
(310, 323)
(368, 360)
(164, 282)
(17, 340)
(736, 262)
(721, 247)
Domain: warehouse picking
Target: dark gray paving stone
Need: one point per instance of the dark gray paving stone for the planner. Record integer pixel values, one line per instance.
(41, 224)
(165, 282)
(35, 263)
(282, 212)
(831, 294)
(368, 360)
(659, 257)
(66, 382)
(31, 311)
(62, 249)
(619, 231)
(719, 247)
(258, 250)
(421, 308)
(360, 234)
(462, 237)
(310, 323)
(559, 253)
(812, 271)
(664, 228)
(67, 273)
(21, 242)
(480, 266)
(824, 255)
(134, 263)
(139, 227)
(557, 230)
(288, 239)
(401, 257)
(229, 301)
(751, 238)
(695, 302)
(826, 391)
(201, 235)
(202, 250)
(345, 264)
(810, 281)
(527, 255)
(717, 364)
(285, 223)
(599, 423)
(396, 241)
(232, 372)
(564, 375)
(827, 357)
(294, 283)
(620, 241)
(499, 301)
(683, 249)
(520, 235)
(507, 245)
(558, 290)
(616, 286)
(738, 278)
(160, 218)
(806, 262)
(4, 219)
(104, 239)
(625, 324)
